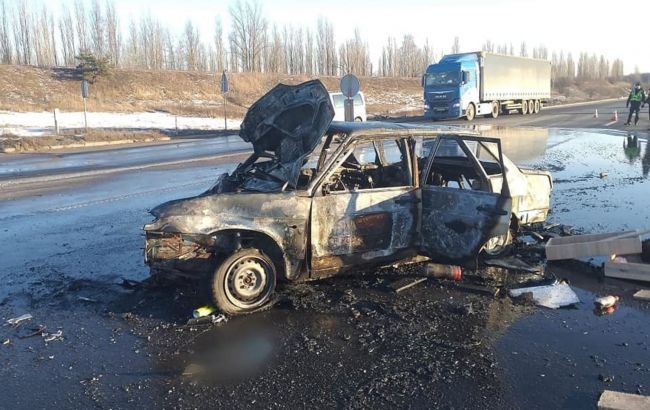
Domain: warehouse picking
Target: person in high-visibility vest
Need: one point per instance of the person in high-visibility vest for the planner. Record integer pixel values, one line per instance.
(634, 101)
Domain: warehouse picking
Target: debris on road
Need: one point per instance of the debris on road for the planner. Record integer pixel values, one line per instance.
(85, 299)
(440, 271)
(627, 270)
(643, 294)
(50, 337)
(17, 320)
(207, 320)
(193, 369)
(604, 302)
(613, 400)
(6, 342)
(550, 296)
(603, 175)
(202, 311)
(399, 286)
(514, 264)
(36, 332)
(601, 244)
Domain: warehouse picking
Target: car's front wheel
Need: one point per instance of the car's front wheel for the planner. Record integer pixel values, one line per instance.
(244, 282)
(498, 245)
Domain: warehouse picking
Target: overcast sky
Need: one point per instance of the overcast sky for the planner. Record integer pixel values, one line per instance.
(603, 27)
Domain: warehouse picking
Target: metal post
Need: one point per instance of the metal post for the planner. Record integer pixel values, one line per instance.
(56, 121)
(85, 117)
(225, 113)
(349, 109)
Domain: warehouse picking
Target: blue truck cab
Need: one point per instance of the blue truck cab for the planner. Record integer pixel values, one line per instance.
(450, 86)
(482, 83)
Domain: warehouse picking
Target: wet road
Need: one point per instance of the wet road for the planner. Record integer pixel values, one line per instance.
(348, 342)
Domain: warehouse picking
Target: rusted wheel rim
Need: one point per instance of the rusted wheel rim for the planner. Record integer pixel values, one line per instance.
(247, 283)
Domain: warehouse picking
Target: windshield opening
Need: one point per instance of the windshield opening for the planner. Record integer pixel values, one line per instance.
(442, 78)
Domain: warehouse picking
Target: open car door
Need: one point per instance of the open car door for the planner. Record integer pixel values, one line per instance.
(460, 213)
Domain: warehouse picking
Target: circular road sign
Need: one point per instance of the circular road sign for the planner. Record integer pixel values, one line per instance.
(350, 85)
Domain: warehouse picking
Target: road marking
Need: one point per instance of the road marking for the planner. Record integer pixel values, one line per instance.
(610, 123)
(81, 174)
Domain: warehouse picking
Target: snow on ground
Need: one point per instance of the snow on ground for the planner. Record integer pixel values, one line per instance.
(42, 123)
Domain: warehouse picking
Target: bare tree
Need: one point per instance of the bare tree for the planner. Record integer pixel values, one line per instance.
(97, 25)
(192, 46)
(81, 25)
(326, 48)
(523, 49)
(219, 49)
(247, 36)
(6, 47)
(455, 47)
(67, 36)
(113, 34)
(23, 34)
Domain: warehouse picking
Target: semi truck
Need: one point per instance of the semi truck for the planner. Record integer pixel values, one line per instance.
(488, 84)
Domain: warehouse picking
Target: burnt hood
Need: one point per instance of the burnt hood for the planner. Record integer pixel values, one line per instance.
(288, 122)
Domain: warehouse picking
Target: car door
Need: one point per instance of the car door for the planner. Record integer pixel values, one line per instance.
(365, 209)
(459, 210)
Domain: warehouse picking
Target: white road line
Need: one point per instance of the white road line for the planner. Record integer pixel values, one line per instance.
(610, 123)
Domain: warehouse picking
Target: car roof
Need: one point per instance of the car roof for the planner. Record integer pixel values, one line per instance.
(378, 128)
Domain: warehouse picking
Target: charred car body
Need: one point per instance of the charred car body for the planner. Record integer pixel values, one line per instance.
(316, 198)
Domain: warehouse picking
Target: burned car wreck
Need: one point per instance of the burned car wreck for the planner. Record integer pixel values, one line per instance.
(318, 197)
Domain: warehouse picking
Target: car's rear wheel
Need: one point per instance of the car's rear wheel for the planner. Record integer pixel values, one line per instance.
(244, 282)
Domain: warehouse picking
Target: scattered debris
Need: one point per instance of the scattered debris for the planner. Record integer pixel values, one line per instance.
(514, 263)
(17, 320)
(628, 270)
(604, 302)
(130, 284)
(643, 294)
(613, 400)
(550, 296)
(603, 174)
(38, 332)
(50, 337)
(85, 299)
(193, 369)
(207, 320)
(594, 245)
(604, 311)
(440, 271)
(6, 342)
(202, 311)
(479, 289)
(399, 287)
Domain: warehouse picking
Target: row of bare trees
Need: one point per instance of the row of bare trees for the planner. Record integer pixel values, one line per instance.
(35, 36)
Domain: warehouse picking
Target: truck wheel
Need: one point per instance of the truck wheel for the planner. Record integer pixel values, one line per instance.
(244, 282)
(524, 107)
(358, 119)
(496, 109)
(470, 112)
(531, 107)
(538, 106)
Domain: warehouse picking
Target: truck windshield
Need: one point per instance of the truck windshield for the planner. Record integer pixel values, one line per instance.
(442, 78)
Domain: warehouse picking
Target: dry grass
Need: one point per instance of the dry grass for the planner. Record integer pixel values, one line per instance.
(192, 93)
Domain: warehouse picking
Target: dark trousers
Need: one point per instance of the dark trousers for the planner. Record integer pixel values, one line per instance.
(635, 106)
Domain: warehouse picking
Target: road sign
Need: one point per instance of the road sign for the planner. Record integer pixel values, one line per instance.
(350, 85)
(224, 83)
(84, 88)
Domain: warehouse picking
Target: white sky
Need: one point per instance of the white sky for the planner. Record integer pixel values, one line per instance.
(597, 26)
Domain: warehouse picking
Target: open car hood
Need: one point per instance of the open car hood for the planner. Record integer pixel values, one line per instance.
(285, 125)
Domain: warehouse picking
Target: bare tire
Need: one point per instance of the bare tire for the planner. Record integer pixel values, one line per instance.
(470, 112)
(358, 119)
(244, 282)
(538, 106)
(531, 107)
(498, 245)
(496, 109)
(524, 107)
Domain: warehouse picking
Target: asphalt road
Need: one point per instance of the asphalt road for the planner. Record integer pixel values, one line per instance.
(71, 228)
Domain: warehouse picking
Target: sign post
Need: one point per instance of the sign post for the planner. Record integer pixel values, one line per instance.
(349, 88)
(84, 95)
(224, 90)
